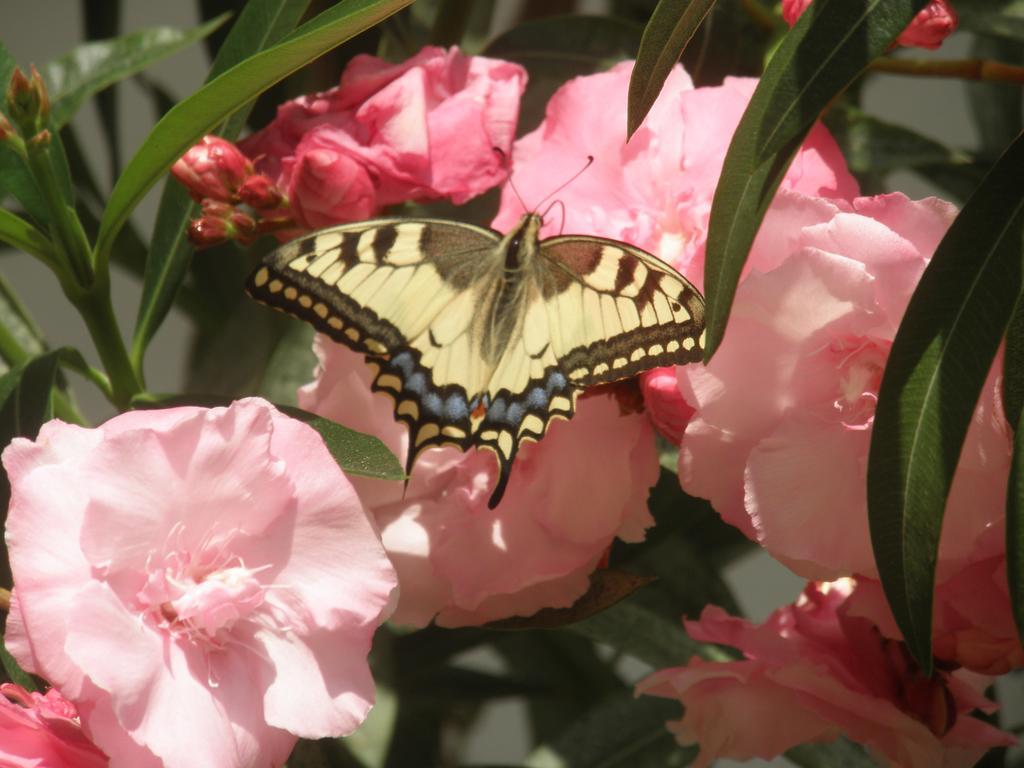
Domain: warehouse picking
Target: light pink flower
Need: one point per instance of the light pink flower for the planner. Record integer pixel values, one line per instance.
(568, 498)
(831, 675)
(422, 129)
(780, 438)
(204, 584)
(43, 731)
(933, 23)
(654, 192)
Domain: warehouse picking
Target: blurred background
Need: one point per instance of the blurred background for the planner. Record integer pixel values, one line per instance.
(41, 30)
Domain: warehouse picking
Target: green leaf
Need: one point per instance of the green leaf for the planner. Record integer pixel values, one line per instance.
(1015, 526)
(323, 753)
(91, 67)
(997, 109)
(356, 453)
(20, 337)
(840, 753)
(17, 180)
(290, 366)
(938, 364)
(1013, 365)
(1004, 18)
(666, 36)
(233, 87)
(555, 48)
(829, 46)
(620, 732)
(636, 630)
(19, 233)
(15, 674)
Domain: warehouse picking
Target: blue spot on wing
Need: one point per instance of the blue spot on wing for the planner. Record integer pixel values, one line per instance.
(455, 408)
(431, 403)
(556, 382)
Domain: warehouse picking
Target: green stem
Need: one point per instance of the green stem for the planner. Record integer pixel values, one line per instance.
(66, 228)
(64, 409)
(964, 69)
(96, 309)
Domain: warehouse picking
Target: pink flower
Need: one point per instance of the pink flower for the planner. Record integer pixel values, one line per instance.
(422, 129)
(213, 168)
(43, 731)
(784, 410)
(831, 674)
(933, 23)
(654, 192)
(204, 584)
(568, 498)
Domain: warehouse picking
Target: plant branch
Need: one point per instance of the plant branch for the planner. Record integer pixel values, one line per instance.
(761, 16)
(964, 69)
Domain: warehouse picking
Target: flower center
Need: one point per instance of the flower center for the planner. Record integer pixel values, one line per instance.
(860, 363)
(200, 602)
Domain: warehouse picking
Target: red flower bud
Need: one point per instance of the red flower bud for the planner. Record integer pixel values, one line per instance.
(204, 232)
(6, 129)
(219, 223)
(933, 24)
(259, 192)
(214, 168)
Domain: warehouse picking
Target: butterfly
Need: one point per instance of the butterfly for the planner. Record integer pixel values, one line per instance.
(483, 339)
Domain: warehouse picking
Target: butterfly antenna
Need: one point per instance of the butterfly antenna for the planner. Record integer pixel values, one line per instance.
(590, 161)
(508, 175)
(561, 205)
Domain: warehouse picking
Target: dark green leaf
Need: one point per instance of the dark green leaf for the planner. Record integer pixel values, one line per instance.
(829, 46)
(620, 732)
(291, 365)
(939, 361)
(103, 21)
(356, 453)
(665, 38)
(17, 328)
(993, 17)
(15, 674)
(17, 180)
(89, 68)
(997, 109)
(1013, 365)
(324, 753)
(450, 22)
(1015, 526)
(644, 634)
(607, 587)
(840, 753)
(232, 89)
(556, 48)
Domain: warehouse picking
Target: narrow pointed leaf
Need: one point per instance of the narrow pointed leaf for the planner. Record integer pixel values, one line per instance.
(1013, 365)
(1015, 527)
(14, 673)
(91, 67)
(938, 364)
(825, 51)
(21, 338)
(17, 180)
(666, 36)
(240, 74)
(20, 233)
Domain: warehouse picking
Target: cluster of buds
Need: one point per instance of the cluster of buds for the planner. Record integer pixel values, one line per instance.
(933, 23)
(28, 106)
(220, 178)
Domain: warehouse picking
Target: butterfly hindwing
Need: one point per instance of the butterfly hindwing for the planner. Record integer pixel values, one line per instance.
(483, 340)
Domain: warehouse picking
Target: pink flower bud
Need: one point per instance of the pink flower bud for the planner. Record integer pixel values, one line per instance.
(204, 232)
(219, 223)
(214, 168)
(27, 101)
(665, 404)
(43, 730)
(259, 192)
(933, 24)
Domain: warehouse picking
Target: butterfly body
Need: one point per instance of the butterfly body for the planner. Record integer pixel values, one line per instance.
(483, 339)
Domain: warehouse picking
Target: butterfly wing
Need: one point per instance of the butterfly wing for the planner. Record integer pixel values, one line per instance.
(406, 293)
(595, 311)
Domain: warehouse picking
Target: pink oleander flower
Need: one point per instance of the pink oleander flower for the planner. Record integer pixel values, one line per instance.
(831, 674)
(933, 23)
(568, 498)
(973, 624)
(780, 437)
(656, 191)
(203, 584)
(43, 731)
(422, 129)
(214, 168)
